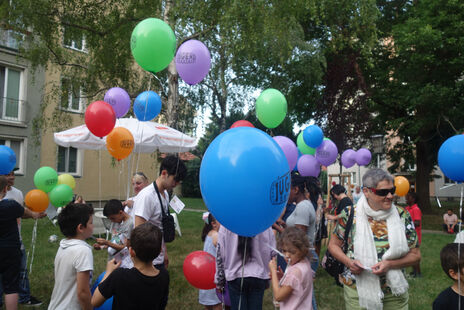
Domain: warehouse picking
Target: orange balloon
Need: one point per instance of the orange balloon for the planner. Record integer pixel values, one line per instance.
(36, 200)
(402, 186)
(120, 143)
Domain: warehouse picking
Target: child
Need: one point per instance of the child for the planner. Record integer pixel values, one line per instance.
(450, 298)
(141, 287)
(295, 290)
(74, 259)
(209, 236)
(121, 227)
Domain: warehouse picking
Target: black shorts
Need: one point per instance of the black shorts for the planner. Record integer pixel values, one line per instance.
(10, 263)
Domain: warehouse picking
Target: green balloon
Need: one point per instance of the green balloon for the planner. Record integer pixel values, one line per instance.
(303, 147)
(271, 108)
(61, 195)
(45, 178)
(153, 44)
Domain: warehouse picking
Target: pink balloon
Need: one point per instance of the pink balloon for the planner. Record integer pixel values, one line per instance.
(363, 156)
(308, 165)
(289, 148)
(327, 153)
(348, 158)
(193, 61)
(242, 123)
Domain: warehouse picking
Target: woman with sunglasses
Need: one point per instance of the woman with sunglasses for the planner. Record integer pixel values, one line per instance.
(381, 242)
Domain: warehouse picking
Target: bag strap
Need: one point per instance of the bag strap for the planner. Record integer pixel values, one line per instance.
(159, 197)
(348, 225)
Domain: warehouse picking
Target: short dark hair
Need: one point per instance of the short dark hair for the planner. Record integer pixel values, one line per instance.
(146, 241)
(72, 215)
(337, 189)
(174, 166)
(3, 182)
(296, 237)
(298, 181)
(450, 259)
(413, 195)
(113, 206)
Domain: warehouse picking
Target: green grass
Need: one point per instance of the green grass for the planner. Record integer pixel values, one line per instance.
(184, 296)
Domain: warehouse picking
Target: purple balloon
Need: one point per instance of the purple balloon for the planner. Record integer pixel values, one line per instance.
(119, 99)
(308, 166)
(348, 158)
(289, 148)
(193, 61)
(363, 156)
(327, 153)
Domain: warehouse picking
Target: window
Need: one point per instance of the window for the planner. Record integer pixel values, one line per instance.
(10, 39)
(74, 39)
(10, 90)
(18, 146)
(71, 96)
(69, 160)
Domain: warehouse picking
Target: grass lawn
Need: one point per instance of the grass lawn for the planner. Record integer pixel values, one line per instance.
(183, 296)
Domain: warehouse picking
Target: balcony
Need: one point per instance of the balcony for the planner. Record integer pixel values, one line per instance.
(12, 110)
(9, 39)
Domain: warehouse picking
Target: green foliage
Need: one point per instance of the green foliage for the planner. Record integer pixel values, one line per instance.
(190, 185)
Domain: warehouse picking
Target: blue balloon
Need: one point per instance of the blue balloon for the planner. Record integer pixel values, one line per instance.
(451, 158)
(147, 106)
(313, 135)
(7, 159)
(108, 304)
(245, 180)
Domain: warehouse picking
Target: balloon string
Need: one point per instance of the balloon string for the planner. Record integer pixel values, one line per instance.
(459, 247)
(33, 241)
(243, 270)
(128, 176)
(99, 180)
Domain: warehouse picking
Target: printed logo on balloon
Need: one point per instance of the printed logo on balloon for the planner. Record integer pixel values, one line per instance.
(193, 61)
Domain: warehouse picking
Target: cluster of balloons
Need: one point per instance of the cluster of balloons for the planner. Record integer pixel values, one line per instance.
(59, 189)
(362, 157)
(451, 158)
(153, 44)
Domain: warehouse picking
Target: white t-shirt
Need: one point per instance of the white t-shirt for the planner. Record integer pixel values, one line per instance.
(147, 206)
(130, 210)
(73, 256)
(305, 215)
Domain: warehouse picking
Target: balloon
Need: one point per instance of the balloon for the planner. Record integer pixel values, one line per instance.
(313, 135)
(7, 159)
(108, 304)
(302, 147)
(308, 166)
(348, 158)
(61, 195)
(242, 123)
(289, 148)
(100, 118)
(193, 61)
(45, 178)
(451, 158)
(247, 161)
(199, 269)
(36, 200)
(67, 179)
(147, 106)
(120, 143)
(153, 44)
(327, 153)
(224, 296)
(119, 99)
(363, 156)
(271, 108)
(402, 186)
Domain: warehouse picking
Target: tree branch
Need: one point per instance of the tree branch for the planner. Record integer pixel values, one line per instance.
(63, 63)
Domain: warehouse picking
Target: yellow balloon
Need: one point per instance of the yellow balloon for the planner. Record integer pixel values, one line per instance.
(402, 186)
(67, 179)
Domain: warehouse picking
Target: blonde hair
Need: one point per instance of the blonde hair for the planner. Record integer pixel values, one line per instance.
(140, 176)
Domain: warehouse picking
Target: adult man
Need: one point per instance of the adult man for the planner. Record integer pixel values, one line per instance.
(449, 221)
(150, 200)
(357, 194)
(381, 242)
(25, 296)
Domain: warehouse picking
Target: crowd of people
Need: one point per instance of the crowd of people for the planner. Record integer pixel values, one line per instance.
(373, 239)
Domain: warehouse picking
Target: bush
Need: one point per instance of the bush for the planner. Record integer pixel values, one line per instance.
(191, 183)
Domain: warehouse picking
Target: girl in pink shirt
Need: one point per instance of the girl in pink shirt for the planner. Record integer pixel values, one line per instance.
(295, 288)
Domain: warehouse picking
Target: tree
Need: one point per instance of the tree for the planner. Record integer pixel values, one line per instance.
(417, 85)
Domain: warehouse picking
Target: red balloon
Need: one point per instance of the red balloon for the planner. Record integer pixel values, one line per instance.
(100, 118)
(199, 269)
(242, 123)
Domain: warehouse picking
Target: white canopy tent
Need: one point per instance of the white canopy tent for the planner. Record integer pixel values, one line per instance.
(148, 137)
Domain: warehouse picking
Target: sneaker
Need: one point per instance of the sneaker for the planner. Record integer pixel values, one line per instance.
(32, 302)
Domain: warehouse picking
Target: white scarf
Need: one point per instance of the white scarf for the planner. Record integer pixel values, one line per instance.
(368, 284)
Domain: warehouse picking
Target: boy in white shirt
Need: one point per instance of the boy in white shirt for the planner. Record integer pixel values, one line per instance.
(74, 260)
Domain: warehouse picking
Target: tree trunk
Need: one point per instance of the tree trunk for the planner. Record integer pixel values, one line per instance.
(423, 170)
(173, 76)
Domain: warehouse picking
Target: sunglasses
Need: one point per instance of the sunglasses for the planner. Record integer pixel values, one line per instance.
(383, 192)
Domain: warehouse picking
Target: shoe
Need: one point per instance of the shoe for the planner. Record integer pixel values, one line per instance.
(32, 302)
